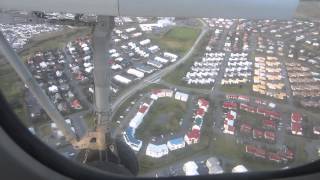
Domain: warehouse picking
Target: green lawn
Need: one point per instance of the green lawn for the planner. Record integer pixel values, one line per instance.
(12, 88)
(178, 40)
(254, 119)
(237, 89)
(53, 40)
(297, 144)
(167, 108)
(175, 77)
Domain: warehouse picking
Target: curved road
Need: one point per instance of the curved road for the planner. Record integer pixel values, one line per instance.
(148, 80)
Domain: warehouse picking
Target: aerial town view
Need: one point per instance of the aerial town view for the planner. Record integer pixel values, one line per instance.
(189, 96)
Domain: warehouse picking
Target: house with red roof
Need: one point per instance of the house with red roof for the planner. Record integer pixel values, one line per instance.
(296, 117)
(273, 114)
(143, 109)
(200, 112)
(243, 98)
(274, 157)
(270, 135)
(260, 153)
(228, 126)
(268, 123)
(296, 128)
(257, 134)
(287, 154)
(192, 137)
(316, 130)
(230, 105)
(229, 129)
(231, 96)
(245, 128)
(203, 103)
(247, 108)
(250, 149)
(75, 104)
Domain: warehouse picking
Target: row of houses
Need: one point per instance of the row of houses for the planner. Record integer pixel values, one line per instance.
(193, 136)
(190, 168)
(238, 70)
(268, 135)
(268, 79)
(204, 72)
(278, 157)
(252, 109)
(303, 82)
(153, 150)
(296, 123)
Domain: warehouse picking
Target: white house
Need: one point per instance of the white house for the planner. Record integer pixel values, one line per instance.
(181, 96)
(239, 169)
(190, 168)
(176, 143)
(145, 42)
(122, 79)
(157, 151)
(214, 166)
(135, 72)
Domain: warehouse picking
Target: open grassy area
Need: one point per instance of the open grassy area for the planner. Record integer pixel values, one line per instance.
(163, 117)
(244, 89)
(53, 40)
(178, 40)
(175, 77)
(254, 119)
(12, 88)
(297, 144)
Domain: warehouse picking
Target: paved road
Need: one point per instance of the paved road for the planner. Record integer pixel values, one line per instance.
(148, 80)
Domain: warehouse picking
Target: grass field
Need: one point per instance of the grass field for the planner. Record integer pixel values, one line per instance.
(244, 89)
(176, 76)
(163, 108)
(297, 144)
(178, 40)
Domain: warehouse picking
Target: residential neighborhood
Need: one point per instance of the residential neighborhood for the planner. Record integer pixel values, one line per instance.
(188, 96)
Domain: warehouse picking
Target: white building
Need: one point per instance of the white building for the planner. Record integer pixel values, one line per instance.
(190, 168)
(176, 143)
(145, 42)
(171, 56)
(214, 166)
(181, 96)
(239, 169)
(154, 49)
(157, 151)
(122, 79)
(161, 60)
(135, 72)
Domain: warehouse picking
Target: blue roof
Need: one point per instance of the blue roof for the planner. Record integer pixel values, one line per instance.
(179, 140)
(130, 136)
